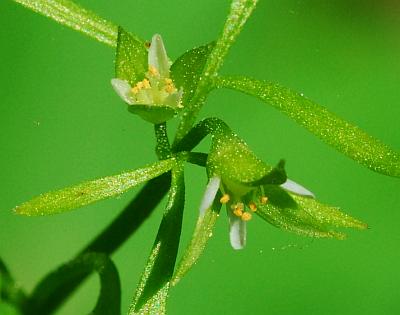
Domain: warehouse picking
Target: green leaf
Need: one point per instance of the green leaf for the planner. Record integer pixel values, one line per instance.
(130, 58)
(303, 215)
(114, 235)
(74, 16)
(152, 291)
(154, 114)
(201, 235)
(187, 69)
(109, 301)
(239, 13)
(340, 134)
(91, 191)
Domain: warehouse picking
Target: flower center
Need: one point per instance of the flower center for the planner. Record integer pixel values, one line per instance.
(241, 210)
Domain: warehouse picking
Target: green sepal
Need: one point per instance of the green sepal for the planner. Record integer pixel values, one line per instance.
(91, 191)
(188, 68)
(303, 215)
(232, 160)
(109, 301)
(130, 58)
(154, 114)
(152, 291)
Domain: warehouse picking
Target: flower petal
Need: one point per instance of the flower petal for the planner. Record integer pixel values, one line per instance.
(209, 194)
(158, 56)
(237, 231)
(296, 188)
(122, 88)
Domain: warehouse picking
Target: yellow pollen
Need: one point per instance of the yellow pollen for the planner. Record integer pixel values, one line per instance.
(139, 85)
(168, 81)
(170, 88)
(153, 70)
(146, 84)
(264, 200)
(238, 212)
(246, 216)
(224, 199)
(253, 206)
(135, 90)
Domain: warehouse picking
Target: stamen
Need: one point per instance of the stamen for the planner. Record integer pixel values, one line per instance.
(246, 216)
(135, 90)
(139, 85)
(146, 84)
(264, 200)
(238, 212)
(168, 81)
(224, 199)
(153, 71)
(252, 206)
(170, 88)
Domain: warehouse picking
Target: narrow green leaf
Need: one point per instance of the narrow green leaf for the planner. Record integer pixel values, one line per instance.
(240, 11)
(340, 134)
(91, 191)
(72, 15)
(187, 69)
(109, 301)
(130, 58)
(201, 235)
(114, 235)
(303, 215)
(152, 291)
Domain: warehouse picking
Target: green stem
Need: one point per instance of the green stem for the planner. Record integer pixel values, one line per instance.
(163, 148)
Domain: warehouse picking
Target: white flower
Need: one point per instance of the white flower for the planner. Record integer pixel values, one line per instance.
(157, 88)
(239, 206)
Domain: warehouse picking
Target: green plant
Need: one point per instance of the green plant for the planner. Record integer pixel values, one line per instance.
(233, 169)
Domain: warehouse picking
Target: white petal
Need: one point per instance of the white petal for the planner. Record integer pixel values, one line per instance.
(209, 194)
(237, 231)
(158, 56)
(293, 187)
(122, 88)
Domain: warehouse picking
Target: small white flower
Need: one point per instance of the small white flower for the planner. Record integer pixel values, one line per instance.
(239, 208)
(157, 88)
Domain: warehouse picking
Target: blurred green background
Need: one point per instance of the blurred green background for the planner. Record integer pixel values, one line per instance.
(61, 123)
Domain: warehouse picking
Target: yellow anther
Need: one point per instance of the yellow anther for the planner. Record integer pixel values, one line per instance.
(238, 212)
(170, 88)
(246, 216)
(252, 206)
(139, 85)
(264, 200)
(135, 90)
(168, 81)
(146, 84)
(224, 199)
(153, 71)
